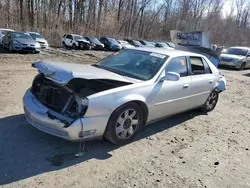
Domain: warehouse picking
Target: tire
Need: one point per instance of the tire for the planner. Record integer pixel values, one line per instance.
(74, 46)
(64, 45)
(10, 48)
(120, 129)
(242, 67)
(211, 101)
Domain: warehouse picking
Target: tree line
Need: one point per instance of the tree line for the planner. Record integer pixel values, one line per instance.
(144, 19)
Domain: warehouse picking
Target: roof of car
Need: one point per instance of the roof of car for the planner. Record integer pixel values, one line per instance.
(6, 29)
(74, 35)
(33, 32)
(168, 52)
(241, 47)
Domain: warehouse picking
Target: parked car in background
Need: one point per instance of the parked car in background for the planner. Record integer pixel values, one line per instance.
(125, 44)
(153, 43)
(146, 43)
(116, 97)
(76, 42)
(172, 45)
(21, 42)
(95, 43)
(135, 43)
(236, 57)
(3, 32)
(111, 44)
(39, 38)
(163, 45)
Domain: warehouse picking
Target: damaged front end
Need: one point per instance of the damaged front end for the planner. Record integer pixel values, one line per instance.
(59, 98)
(58, 101)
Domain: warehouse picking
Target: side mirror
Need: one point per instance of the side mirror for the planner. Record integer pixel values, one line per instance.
(171, 76)
(248, 55)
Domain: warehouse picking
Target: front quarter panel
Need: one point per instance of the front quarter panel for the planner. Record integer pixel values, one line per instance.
(106, 102)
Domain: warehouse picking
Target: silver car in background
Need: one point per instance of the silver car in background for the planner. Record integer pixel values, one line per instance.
(39, 38)
(236, 57)
(117, 96)
(21, 42)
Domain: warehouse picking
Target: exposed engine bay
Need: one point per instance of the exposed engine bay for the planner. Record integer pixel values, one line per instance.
(70, 100)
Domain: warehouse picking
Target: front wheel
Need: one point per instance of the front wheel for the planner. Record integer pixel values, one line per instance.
(10, 48)
(74, 46)
(242, 67)
(124, 123)
(211, 101)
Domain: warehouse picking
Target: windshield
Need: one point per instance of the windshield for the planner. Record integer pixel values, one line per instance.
(94, 40)
(123, 42)
(163, 44)
(113, 41)
(237, 51)
(147, 43)
(21, 35)
(36, 36)
(136, 64)
(137, 43)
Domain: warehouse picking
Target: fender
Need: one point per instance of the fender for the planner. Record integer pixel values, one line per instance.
(129, 98)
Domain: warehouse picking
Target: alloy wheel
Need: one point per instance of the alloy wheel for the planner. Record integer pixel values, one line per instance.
(126, 124)
(212, 101)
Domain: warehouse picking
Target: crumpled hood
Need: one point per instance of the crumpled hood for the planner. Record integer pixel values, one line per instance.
(238, 57)
(64, 72)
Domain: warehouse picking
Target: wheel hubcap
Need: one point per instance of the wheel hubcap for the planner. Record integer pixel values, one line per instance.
(212, 100)
(126, 124)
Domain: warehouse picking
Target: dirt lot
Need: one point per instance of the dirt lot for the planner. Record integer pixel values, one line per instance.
(187, 150)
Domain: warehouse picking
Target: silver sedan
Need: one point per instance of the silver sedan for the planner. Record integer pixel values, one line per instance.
(117, 96)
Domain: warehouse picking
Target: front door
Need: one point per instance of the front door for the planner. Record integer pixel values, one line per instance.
(171, 97)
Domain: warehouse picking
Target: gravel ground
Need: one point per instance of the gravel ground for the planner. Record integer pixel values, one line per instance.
(188, 150)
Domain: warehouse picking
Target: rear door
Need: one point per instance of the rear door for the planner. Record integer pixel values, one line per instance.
(202, 80)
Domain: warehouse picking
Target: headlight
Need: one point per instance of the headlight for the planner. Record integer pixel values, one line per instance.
(37, 45)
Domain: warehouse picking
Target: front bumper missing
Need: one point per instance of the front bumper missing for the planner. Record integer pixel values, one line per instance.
(37, 115)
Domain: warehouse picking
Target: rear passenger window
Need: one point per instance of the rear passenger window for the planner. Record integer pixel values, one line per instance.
(197, 66)
(206, 66)
(178, 65)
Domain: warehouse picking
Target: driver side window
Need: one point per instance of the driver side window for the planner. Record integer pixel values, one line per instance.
(177, 65)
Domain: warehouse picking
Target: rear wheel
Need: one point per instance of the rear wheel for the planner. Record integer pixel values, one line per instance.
(242, 67)
(74, 46)
(211, 101)
(124, 123)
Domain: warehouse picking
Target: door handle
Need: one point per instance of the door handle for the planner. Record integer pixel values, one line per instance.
(186, 86)
(211, 81)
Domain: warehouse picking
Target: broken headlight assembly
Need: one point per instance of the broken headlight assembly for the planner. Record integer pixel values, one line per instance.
(82, 105)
